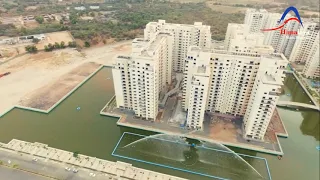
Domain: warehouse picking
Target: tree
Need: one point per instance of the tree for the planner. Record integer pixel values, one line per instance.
(73, 18)
(39, 19)
(46, 48)
(86, 44)
(31, 48)
(35, 40)
(62, 44)
(50, 46)
(56, 45)
(72, 44)
(76, 154)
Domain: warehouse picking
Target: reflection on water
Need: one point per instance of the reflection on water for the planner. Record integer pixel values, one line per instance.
(292, 91)
(311, 124)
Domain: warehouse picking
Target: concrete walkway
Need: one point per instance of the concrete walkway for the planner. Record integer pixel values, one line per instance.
(51, 163)
(297, 105)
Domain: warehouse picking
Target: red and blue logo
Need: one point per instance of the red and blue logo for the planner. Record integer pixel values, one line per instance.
(282, 22)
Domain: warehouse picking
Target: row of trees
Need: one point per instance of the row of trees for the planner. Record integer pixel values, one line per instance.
(51, 47)
(61, 45)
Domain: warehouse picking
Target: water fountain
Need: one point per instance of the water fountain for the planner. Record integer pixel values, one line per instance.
(204, 157)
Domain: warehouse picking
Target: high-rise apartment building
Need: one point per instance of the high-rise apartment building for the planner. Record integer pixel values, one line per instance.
(264, 95)
(226, 82)
(312, 66)
(256, 19)
(239, 39)
(184, 35)
(139, 78)
(241, 80)
(262, 19)
(307, 37)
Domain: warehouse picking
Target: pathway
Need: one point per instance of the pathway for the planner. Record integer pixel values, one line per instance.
(297, 105)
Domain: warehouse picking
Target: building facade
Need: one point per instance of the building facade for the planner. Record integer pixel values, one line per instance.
(306, 39)
(139, 78)
(262, 19)
(312, 66)
(184, 35)
(264, 95)
(239, 39)
(225, 82)
(241, 80)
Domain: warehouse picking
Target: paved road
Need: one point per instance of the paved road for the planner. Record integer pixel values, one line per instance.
(14, 174)
(42, 166)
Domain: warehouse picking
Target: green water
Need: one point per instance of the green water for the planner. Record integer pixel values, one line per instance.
(95, 135)
(293, 91)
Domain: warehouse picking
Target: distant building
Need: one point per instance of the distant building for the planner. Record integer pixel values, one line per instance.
(184, 35)
(22, 39)
(239, 39)
(312, 66)
(94, 7)
(80, 8)
(306, 39)
(262, 19)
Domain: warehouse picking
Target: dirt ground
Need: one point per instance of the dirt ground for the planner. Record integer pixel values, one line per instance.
(9, 51)
(55, 37)
(224, 129)
(44, 98)
(30, 8)
(31, 24)
(32, 71)
(11, 20)
(105, 56)
(228, 6)
(226, 9)
(252, 2)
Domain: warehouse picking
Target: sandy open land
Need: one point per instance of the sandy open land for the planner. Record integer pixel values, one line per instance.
(105, 54)
(45, 97)
(55, 37)
(226, 9)
(32, 71)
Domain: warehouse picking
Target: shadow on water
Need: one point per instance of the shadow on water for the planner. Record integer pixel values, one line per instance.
(311, 124)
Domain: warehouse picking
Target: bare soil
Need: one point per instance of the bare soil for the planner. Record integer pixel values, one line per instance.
(54, 37)
(45, 97)
(30, 72)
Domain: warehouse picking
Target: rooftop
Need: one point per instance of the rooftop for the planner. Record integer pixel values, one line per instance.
(124, 57)
(180, 25)
(201, 69)
(268, 79)
(152, 46)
